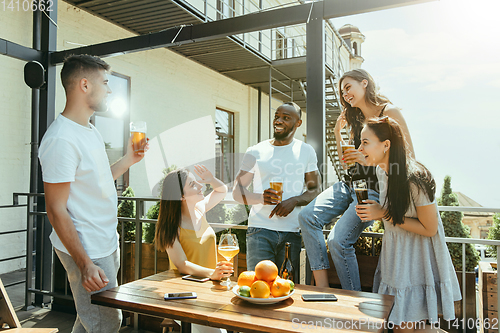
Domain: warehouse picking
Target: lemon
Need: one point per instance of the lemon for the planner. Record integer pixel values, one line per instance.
(292, 285)
(244, 291)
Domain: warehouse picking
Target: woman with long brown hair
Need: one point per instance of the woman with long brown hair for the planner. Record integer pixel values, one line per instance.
(415, 265)
(361, 100)
(182, 229)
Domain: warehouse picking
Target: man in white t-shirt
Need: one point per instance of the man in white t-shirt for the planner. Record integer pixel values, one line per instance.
(272, 223)
(80, 195)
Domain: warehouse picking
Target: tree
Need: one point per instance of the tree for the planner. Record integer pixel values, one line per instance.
(453, 227)
(494, 234)
(126, 208)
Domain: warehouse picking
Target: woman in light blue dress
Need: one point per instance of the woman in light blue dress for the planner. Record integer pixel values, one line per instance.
(415, 265)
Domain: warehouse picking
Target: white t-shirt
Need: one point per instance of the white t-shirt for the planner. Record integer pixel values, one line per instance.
(73, 153)
(290, 162)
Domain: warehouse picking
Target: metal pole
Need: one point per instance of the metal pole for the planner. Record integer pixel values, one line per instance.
(464, 298)
(29, 254)
(259, 114)
(498, 286)
(35, 109)
(46, 117)
(315, 58)
(270, 101)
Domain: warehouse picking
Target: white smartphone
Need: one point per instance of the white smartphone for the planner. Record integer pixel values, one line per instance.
(169, 296)
(195, 278)
(319, 297)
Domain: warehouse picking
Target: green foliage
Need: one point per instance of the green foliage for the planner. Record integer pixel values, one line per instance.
(364, 244)
(494, 234)
(453, 227)
(148, 229)
(126, 208)
(237, 215)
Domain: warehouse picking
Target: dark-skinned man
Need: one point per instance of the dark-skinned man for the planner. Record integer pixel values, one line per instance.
(273, 223)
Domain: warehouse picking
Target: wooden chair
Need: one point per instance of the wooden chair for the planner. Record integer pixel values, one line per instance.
(8, 317)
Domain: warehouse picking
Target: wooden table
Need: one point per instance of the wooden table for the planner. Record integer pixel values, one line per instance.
(358, 311)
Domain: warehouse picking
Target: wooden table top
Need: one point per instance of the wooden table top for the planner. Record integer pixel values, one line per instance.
(359, 311)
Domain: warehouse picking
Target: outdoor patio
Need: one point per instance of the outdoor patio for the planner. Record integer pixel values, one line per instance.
(39, 317)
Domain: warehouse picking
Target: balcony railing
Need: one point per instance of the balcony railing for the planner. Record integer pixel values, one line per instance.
(140, 219)
(277, 43)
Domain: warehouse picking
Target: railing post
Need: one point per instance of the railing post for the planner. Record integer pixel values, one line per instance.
(29, 254)
(205, 10)
(138, 250)
(138, 241)
(464, 298)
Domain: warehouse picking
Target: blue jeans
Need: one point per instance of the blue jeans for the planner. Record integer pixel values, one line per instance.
(265, 244)
(334, 201)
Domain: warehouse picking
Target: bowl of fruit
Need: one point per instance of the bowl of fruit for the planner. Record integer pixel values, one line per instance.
(263, 286)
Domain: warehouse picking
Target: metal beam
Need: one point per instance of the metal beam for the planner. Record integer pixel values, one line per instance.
(244, 69)
(20, 52)
(315, 39)
(280, 17)
(200, 32)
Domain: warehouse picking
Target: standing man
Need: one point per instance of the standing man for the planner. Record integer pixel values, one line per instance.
(273, 223)
(80, 195)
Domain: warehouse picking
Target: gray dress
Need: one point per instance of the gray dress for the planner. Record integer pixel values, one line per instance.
(417, 270)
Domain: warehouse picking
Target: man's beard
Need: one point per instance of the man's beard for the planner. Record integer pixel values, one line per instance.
(281, 136)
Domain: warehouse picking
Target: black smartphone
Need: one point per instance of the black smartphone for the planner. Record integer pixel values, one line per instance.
(169, 296)
(195, 278)
(319, 297)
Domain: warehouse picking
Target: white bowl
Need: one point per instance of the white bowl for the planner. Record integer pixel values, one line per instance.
(270, 300)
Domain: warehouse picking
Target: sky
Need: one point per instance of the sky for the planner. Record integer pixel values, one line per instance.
(440, 63)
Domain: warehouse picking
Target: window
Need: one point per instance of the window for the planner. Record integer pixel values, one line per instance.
(224, 145)
(355, 48)
(114, 123)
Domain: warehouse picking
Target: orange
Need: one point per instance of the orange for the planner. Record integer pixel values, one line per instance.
(266, 270)
(260, 289)
(246, 278)
(280, 287)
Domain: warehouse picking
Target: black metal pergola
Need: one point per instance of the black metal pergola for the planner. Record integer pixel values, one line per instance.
(44, 51)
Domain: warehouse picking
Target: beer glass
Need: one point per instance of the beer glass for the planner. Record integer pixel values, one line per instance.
(345, 147)
(361, 189)
(138, 132)
(276, 184)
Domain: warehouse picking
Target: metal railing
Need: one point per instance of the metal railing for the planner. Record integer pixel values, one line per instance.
(273, 44)
(15, 204)
(140, 211)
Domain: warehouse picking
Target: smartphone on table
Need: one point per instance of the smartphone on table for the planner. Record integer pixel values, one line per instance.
(195, 278)
(319, 297)
(188, 295)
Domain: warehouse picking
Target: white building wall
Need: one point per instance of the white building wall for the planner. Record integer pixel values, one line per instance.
(15, 135)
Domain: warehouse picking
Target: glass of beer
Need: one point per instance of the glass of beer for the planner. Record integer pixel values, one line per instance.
(276, 184)
(228, 248)
(138, 132)
(361, 190)
(345, 147)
